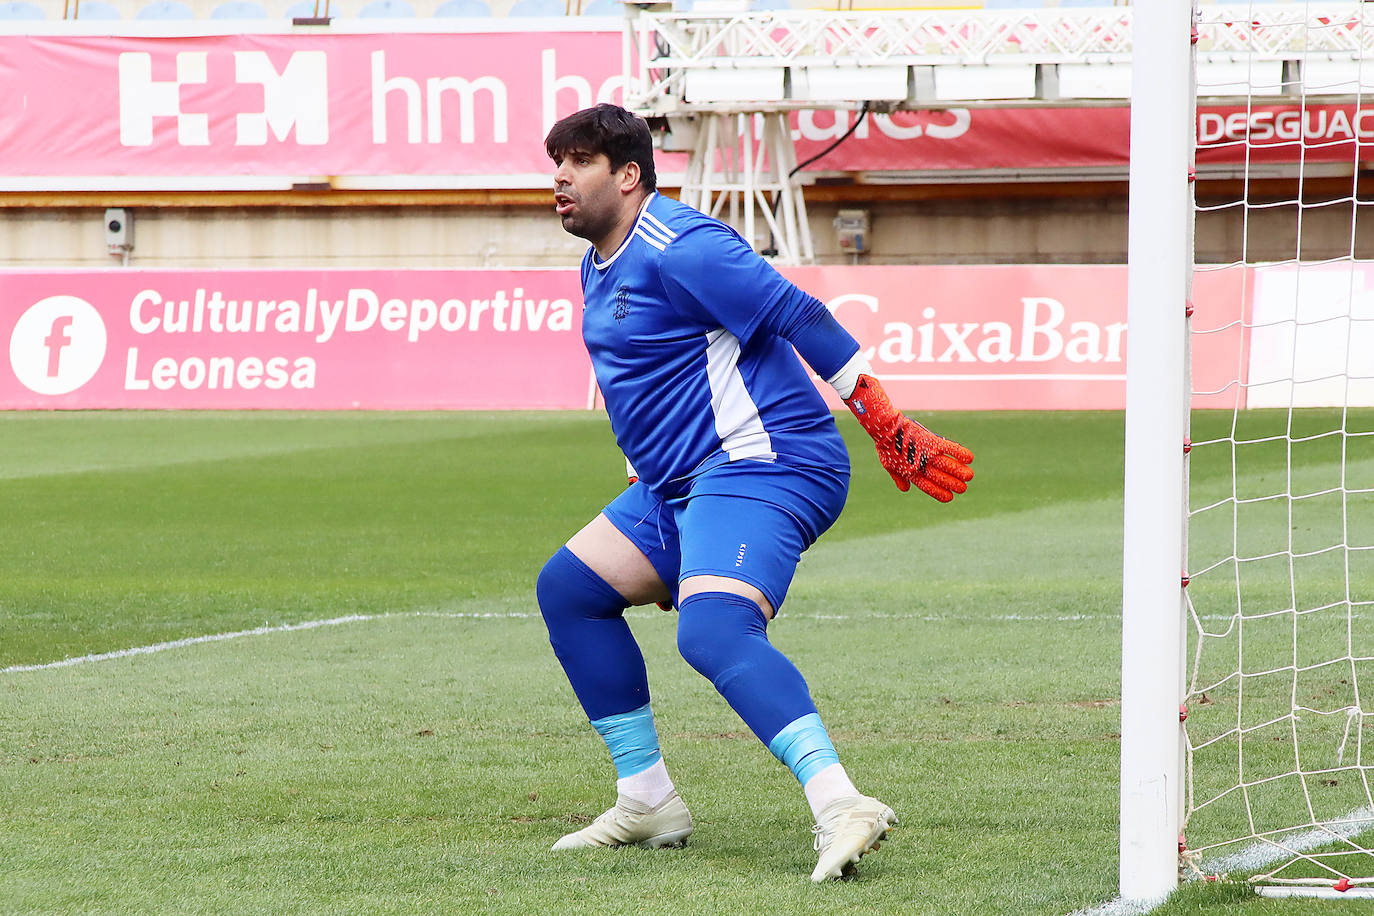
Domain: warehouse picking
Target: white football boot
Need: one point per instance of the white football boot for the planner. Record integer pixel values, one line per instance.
(633, 823)
(849, 827)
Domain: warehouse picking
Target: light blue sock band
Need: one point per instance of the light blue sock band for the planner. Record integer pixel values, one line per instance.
(804, 746)
(631, 739)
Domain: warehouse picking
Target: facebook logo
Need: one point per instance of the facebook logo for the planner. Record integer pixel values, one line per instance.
(57, 340)
(57, 345)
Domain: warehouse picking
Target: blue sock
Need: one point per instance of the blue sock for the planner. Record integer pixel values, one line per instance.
(804, 747)
(632, 740)
(586, 622)
(724, 637)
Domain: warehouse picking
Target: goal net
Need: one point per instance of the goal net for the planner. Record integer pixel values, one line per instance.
(1278, 597)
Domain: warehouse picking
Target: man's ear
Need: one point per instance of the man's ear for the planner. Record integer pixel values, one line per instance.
(629, 177)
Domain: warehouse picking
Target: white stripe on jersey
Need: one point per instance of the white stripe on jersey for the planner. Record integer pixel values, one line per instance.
(650, 223)
(661, 246)
(738, 423)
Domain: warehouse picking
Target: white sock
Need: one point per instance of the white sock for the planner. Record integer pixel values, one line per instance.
(826, 786)
(649, 786)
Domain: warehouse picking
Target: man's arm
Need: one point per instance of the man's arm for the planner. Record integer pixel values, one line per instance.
(908, 451)
(718, 272)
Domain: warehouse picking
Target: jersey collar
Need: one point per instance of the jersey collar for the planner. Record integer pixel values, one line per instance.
(602, 265)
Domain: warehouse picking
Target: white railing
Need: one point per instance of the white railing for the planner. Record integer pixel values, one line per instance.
(1023, 53)
(888, 36)
(1280, 31)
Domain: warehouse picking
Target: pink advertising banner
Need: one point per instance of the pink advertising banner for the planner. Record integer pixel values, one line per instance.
(1044, 337)
(334, 339)
(941, 338)
(303, 105)
(456, 109)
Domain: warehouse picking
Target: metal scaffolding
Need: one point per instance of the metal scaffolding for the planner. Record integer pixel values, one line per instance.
(720, 82)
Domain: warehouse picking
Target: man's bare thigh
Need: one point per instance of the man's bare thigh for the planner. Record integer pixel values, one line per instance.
(616, 559)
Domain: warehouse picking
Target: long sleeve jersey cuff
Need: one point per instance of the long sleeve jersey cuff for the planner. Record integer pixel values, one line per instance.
(847, 378)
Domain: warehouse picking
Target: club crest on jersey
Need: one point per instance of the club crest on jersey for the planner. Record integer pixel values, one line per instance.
(622, 305)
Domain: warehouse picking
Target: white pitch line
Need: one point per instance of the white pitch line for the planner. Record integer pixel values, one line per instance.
(1252, 858)
(1266, 852)
(1117, 907)
(521, 615)
(481, 615)
(238, 634)
(189, 641)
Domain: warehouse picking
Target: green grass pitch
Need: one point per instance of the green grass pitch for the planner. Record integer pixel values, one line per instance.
(423, 757)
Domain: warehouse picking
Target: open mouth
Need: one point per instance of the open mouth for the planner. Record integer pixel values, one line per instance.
(562, 203)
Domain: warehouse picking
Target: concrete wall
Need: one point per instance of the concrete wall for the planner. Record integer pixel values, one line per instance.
(294, 237)
(1021, 230)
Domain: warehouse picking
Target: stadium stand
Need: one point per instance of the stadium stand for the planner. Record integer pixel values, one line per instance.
(538, 8)
(17, 9)
(463, 9)
(252, 10)
(166, 9)
(387, 9)
(307, 9)
(239, 9)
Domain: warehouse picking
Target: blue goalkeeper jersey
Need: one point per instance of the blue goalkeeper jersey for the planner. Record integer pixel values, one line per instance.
(688, 332)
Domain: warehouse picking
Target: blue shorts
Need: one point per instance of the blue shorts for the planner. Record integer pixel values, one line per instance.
(748, 520)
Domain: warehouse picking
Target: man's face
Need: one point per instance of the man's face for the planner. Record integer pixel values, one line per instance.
(587, 194)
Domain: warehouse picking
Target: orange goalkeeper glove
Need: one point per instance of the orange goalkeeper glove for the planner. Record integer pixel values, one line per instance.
(908, 451)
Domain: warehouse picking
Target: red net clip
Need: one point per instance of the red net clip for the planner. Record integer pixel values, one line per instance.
(1342, 885)
(1182, 844)
(1188, 308)
(1194, 35)
(1183, 712)
(1185, 580)
(1192, 173)
(1187, 445)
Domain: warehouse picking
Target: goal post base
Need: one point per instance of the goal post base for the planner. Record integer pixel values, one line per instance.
(1324, 893)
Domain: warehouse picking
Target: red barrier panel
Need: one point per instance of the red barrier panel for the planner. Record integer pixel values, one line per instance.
(941, 338)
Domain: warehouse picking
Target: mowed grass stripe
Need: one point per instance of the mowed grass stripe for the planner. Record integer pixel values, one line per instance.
(418, 763)
(831, 586)
(78, 442)
(103, 560)
(349, 522)
(430, 762)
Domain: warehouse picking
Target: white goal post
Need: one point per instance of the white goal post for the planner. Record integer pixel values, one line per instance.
(1248, 566)
(1160, 260)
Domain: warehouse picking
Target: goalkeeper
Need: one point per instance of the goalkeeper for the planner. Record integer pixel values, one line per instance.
(739, 469)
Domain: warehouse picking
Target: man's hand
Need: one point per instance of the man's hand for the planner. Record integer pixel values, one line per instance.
(908, 451)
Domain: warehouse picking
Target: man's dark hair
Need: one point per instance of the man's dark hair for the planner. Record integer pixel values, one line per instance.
(622, 136)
